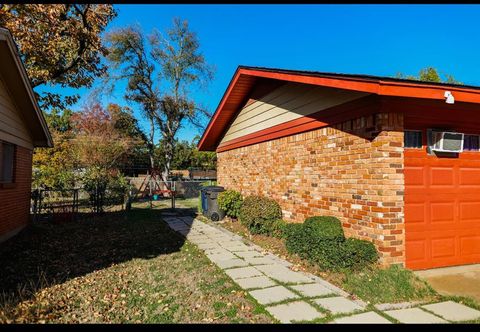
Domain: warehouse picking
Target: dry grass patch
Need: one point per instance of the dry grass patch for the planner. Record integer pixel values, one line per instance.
(155, 277)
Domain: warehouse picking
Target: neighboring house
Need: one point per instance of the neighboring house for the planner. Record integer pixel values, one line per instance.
(355, 147)
(22, 127)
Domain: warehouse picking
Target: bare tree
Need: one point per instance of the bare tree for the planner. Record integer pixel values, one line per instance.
(128, 55)
(180, 67)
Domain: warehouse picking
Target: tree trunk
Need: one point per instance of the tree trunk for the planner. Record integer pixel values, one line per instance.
(168, 158)
(151, 144)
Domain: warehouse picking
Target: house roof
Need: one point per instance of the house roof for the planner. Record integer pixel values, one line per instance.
(13, 72)
(245, 78)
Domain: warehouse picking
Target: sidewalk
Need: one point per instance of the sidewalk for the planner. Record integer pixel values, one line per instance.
(292, 296)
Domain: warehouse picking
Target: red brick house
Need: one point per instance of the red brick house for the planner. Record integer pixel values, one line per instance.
(397, 161)
(22, 127)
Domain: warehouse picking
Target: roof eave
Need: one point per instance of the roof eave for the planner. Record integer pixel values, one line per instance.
(7, 37)
(381, 87)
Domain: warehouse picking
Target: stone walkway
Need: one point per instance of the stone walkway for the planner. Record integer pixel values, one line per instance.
(297, 296)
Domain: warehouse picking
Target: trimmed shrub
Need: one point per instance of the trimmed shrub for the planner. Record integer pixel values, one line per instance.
(318, 240)
(357, 254)
(321, 241)
(278, 228)
(326, 227)
(295, 239)
(230, 201)
(259, 213)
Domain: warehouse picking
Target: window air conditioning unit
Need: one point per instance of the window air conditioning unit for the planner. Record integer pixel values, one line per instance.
(447, 141)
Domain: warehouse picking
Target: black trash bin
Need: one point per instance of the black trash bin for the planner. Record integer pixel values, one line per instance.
(212, 210)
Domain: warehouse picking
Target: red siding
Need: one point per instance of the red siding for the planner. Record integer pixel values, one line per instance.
(15, 201)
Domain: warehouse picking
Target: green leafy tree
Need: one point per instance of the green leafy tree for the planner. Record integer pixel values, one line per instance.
(60, 44)
(55, 167)
(175, 63)
(59, 120)
(187, 156)
(429, 74)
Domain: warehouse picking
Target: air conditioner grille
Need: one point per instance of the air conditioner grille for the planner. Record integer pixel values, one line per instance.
(452, 141)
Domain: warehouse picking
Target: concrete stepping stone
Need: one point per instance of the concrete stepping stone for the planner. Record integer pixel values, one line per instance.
(216, 258)
(397, 306)
(239, 248)
(272, 294)
(255, 282)
(218, 250)
(283, 274)
(312, 290)
(243, 272)
(228, 243)
(235, 262)
(294, 311)
(249, 254)
(260, 260)
(414, 316)
(206, 246)
(453, 311)
(365, 318)
(338, 305)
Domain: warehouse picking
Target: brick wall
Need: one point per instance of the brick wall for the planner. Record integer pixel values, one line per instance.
(15, 199)
(353, 170)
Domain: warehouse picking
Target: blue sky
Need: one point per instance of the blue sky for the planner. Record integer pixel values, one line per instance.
(357, 39)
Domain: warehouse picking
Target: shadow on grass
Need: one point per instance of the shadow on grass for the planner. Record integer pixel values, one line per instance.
(45, 254)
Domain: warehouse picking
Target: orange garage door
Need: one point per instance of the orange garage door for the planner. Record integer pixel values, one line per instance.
(442, 209)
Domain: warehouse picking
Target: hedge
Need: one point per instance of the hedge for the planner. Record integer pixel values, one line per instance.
(259, 214)
(321, 241)
(230, 201)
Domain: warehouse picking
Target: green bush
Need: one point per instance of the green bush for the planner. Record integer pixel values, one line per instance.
(357, 254)
(318, 240)
(278, 228)
(230, 201)
(259, 214)
(321, 241)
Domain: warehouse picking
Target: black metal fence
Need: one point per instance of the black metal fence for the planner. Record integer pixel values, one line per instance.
(67, 205)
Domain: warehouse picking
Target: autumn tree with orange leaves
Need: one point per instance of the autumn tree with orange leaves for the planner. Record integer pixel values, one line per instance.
(60, 44)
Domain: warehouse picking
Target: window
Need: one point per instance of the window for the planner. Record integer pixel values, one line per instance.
(471, 143)
(7, 157)
(413, 139)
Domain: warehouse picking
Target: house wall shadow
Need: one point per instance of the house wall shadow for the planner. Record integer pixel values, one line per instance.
(45, 254)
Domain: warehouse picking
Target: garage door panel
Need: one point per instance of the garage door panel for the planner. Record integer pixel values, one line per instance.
(441, 177)
(469, 177)
(469, 212)
(417, 250)
(442, 210)
(470, 245)
(443, 247)
(416, 176)
(415, 212)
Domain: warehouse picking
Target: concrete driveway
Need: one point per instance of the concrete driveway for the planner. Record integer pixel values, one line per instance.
(457, 280)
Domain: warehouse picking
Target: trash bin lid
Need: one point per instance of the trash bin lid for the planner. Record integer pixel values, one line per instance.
(214, 189)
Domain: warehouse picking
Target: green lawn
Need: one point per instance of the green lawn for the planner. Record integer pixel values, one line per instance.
(121, 267)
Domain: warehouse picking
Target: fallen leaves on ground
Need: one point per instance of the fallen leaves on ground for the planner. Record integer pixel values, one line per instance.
(115, 269)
